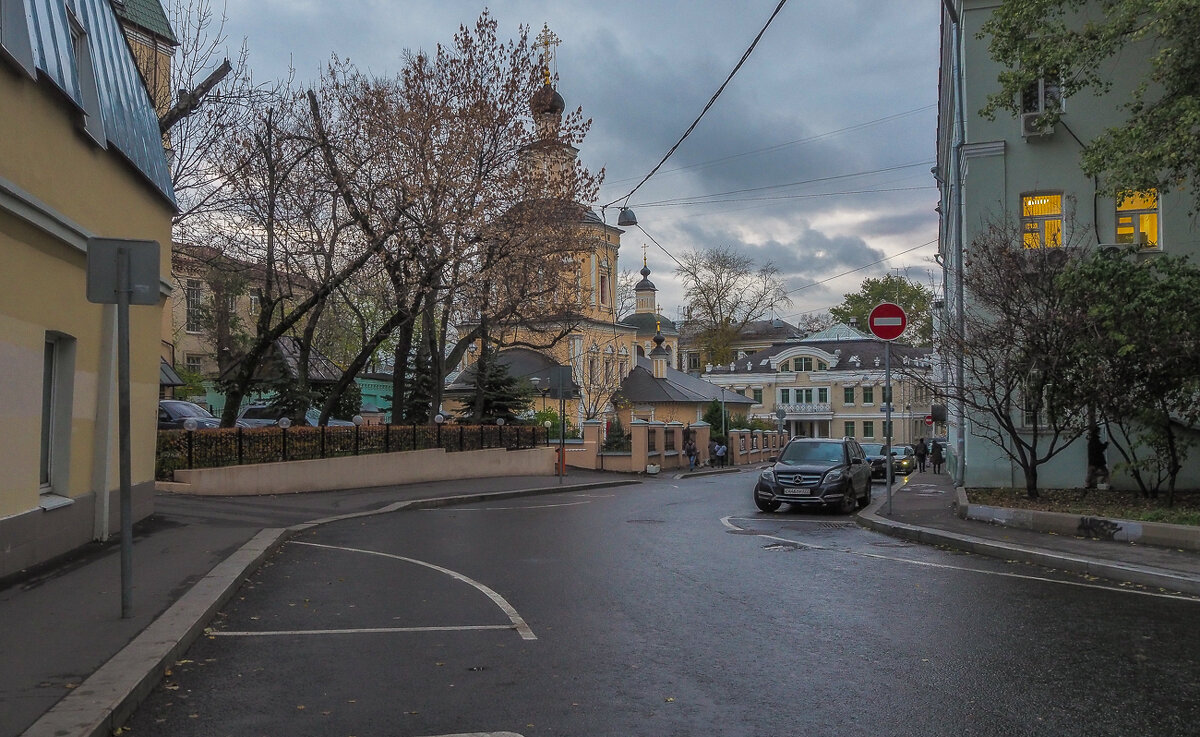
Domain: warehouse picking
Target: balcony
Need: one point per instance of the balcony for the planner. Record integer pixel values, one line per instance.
(797, 411)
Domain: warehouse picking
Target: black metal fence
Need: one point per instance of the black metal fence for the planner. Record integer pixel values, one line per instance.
(185, 449)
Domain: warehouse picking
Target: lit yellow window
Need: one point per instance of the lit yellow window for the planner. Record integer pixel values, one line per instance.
(1041, 220)
(1137, 219)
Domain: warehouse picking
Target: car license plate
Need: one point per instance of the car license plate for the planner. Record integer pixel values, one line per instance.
(793, 491)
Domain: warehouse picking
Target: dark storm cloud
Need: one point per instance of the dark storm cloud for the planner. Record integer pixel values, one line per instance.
(644, 70)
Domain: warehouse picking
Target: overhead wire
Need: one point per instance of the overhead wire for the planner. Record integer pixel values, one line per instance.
(707, 106)
(785, 144)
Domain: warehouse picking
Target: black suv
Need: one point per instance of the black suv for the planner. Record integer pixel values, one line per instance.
(816, 472)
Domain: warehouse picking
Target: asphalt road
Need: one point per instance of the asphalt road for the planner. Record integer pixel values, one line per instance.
(671, 608)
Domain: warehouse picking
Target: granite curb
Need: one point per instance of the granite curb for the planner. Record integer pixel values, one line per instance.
(1113, 570)
(107, 698)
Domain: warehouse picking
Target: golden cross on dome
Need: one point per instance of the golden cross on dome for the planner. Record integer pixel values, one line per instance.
(644, 254)
(548, 41)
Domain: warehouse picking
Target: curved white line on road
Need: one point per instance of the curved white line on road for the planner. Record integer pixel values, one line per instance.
(927, 564)
(503, 509)
(519, 623)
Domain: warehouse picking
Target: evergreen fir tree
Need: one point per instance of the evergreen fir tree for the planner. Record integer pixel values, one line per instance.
(502, 394)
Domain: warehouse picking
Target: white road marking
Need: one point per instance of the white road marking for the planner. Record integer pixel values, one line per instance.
(504, 509)
(519, 623)
(363, 631)
(726, 521)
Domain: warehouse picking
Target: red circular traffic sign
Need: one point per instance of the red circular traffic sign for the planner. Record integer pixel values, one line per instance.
(928, 419)
(887, 321)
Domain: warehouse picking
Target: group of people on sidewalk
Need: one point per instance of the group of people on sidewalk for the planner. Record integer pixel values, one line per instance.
(717, 451)
(932, 452)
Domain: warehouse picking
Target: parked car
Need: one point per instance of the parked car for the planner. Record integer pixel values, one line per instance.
(172, 413)
(904, 459)
(816, 472)
(876, 458)
(264, 415)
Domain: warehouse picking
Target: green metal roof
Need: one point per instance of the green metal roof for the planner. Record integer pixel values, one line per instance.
(147, 14)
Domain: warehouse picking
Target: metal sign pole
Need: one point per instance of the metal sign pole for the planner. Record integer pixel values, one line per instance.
(887, 415)
(562, 434)
(123, 292)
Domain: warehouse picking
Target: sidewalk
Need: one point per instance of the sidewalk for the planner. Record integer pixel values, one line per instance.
(922, 510)
(73, 668)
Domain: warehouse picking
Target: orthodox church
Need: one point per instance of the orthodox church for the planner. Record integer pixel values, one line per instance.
(620, 367)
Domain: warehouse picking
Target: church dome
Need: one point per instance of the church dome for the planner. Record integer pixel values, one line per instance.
(547, 101)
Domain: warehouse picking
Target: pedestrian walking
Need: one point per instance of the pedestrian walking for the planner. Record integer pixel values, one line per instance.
(689, 449)
(721, 451)
(922, 450)
(936, 457)
(712, 452)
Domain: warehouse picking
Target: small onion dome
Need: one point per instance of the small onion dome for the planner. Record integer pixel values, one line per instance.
(658, 342)
(547, 101)
(645, 283)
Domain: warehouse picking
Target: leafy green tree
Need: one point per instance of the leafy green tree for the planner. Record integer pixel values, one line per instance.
(1080, 42)
(913, 297)
(1142, 341)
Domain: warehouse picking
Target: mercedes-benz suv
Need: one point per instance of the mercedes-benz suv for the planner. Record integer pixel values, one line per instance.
(816, 472)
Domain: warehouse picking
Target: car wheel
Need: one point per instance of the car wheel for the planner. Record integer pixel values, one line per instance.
(849, 501)
(865, 499)
(766, 505)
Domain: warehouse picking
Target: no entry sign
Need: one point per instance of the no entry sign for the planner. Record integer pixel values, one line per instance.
(887, 321)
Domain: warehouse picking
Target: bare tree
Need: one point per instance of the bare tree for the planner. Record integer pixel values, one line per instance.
(725, 292)
(216, 98)
(1017, 342)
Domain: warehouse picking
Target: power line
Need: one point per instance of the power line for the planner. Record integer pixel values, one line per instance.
(785, 144)
(898, 167)
(860, 268)
(710, 103)
(687, 203)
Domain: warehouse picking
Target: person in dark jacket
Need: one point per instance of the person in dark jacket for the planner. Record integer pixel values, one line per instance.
(921, 450)
(936, 457)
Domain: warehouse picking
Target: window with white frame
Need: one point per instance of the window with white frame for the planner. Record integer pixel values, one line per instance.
(848, 395)
(849, 427)
(785, 396)
(868, 429)
(757, 395)
(823, 395)
(1137, 219)
(868, 394)
(1042, 219)
(1044, 95)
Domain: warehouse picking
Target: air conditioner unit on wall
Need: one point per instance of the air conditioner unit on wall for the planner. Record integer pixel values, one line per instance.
(1030, 127)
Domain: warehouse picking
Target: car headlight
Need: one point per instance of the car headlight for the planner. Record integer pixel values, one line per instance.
(834, 475)
(768, 474)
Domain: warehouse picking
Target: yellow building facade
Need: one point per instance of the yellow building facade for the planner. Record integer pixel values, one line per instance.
(79, 158)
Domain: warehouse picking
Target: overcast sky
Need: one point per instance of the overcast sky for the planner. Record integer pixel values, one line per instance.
(816, 157)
